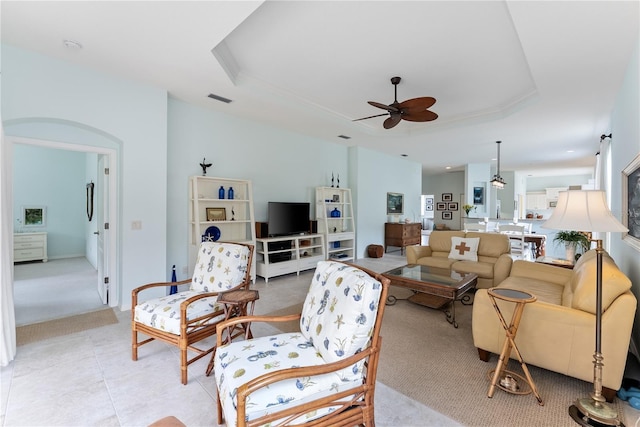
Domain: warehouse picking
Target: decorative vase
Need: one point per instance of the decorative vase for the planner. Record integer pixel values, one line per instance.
(221, 192)
(570, 249)
(335, 213)
(230, 193)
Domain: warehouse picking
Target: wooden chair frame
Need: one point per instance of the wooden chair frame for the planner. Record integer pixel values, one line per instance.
(356, 405)
(190, 331)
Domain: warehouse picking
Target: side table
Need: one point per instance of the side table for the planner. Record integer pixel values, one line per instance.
(236, 303)
(501, 377)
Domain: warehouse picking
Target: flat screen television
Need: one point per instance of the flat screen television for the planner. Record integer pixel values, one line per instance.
(287, 218)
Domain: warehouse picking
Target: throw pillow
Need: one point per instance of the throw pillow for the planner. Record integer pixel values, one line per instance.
(464, 248)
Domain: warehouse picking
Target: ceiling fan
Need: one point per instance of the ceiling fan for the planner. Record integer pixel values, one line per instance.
(413, 110)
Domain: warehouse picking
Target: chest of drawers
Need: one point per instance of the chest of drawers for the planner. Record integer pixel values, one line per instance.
(30, 247)
(401, 235)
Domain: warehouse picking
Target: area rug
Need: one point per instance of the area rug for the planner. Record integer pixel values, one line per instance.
(68, 325)
(427, 359)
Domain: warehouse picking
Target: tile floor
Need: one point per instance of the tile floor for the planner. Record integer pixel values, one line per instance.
(89, 379)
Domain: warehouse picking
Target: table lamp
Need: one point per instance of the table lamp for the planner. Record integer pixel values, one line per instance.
(587, 210)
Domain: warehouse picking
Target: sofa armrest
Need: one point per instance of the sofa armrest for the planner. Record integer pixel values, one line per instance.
(414, 253)
(502, 268)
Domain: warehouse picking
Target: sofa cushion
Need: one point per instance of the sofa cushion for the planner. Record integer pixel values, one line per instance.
(583, 283)
(482, 269)
(491, 244)
(464, 248)
(437, 261)
(219, 267)
(441, 241)
(543, 290)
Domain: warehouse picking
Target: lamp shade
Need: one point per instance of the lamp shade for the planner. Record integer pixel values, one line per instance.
(583, 210)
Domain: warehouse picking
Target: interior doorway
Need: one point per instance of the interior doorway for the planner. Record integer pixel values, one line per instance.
(98, 271)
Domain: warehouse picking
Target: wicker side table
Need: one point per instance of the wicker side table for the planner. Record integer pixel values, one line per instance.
(236, 303)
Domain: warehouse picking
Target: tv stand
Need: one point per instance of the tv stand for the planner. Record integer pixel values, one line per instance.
(276, 256)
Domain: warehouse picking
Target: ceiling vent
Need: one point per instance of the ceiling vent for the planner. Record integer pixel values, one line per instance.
(219, 98)
(344, 137)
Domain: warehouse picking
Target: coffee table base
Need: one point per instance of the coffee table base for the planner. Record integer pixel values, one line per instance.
(447, 305)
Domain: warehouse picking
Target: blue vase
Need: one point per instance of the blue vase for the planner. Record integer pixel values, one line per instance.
(335, 213)
(221, 192)
(230, 193)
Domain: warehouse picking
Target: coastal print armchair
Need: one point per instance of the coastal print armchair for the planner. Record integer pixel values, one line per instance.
(322, 375)
(185, 318)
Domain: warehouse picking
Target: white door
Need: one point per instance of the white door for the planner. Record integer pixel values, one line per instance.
(102, 219)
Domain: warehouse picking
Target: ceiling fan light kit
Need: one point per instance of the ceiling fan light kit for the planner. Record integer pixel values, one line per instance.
(412, 110)
(498, 181)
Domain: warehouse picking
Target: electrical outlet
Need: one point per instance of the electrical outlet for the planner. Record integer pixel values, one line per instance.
(136, 225)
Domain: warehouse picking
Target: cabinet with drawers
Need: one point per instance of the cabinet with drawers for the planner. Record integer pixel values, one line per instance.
(401, 235)
(30, 247)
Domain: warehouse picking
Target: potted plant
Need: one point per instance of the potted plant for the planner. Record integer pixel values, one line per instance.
(468, 208)
(573, 240)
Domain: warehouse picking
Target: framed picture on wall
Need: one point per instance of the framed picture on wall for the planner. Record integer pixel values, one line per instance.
(395, 203)
(441, 206)
(447, 215)
(34, 216)
(447, 197)
(452, 206)
(478, 195)
(631, 202)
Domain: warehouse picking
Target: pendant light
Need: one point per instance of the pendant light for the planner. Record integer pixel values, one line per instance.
(498, 181)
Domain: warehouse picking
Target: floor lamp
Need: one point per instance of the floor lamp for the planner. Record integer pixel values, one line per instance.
(587, 210)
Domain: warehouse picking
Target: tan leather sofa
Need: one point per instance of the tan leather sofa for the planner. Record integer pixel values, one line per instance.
(492, 267)
(557, 332)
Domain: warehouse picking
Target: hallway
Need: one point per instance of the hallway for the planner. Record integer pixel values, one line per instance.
(51, 290)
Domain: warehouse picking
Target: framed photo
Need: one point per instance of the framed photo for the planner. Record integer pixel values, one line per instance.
(336, 198)
(216, 214)
(447, 215)
(395, 203)
(428, 207)
(447, 197)
(34, 216)
(631, 202)
(452, 206)
(428, 200)
(441, 206)
(478, 195)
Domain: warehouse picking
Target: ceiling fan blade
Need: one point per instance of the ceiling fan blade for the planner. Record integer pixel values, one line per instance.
(418, 103)
(422, 116)
(390, 108)
(370, 117)
(392, 121)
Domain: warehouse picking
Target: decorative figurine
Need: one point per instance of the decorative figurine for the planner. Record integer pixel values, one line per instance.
(204, 166)
(233, 214)
(338, 186)
(331, 179)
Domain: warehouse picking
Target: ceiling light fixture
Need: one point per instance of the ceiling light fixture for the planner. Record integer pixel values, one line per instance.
(498, 181)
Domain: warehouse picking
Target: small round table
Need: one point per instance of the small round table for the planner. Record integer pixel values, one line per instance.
(236, 303)
(501, 377)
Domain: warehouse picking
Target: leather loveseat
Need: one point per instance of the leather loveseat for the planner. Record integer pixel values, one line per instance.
(493, 260)
(557, 332)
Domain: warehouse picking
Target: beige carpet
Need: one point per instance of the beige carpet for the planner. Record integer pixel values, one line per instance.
(428, 360)
(68, 325)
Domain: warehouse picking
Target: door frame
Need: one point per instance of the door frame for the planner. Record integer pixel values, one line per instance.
(111, 250)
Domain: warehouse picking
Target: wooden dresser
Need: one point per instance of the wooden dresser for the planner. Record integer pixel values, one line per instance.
(401, 235)
(30, 247)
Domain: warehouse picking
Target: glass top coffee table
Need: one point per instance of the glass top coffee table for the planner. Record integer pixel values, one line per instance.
(433, 287)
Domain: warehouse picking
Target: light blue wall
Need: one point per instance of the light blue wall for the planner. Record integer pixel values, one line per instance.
(160, 142)
(625, 142)
(378, 174)
(282, 166)
(54, 179)
(51, 99)
(542, 183)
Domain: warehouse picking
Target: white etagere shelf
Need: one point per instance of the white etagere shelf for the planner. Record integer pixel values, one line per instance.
(234, 218)
(339, 231)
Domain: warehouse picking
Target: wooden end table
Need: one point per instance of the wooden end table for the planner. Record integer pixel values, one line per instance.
(501, 377)
(236, 303)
